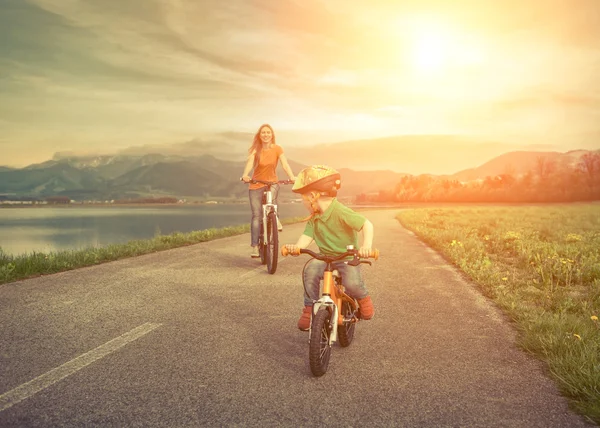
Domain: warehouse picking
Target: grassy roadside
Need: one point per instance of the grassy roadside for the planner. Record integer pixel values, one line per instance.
(15, 268)
(541, 265)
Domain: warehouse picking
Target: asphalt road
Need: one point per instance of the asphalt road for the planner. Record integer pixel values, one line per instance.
(203, 336)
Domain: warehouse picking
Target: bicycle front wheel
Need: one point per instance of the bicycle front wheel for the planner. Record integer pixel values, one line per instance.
(319, 349)
(262, 248)
(272, 243)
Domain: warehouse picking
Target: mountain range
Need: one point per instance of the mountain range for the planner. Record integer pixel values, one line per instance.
(134, 173)
(408, 154)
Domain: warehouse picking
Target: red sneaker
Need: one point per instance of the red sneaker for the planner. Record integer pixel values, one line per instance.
(304, 321)
(365, 308)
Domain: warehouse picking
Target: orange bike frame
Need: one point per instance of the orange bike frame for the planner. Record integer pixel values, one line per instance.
(336, 294)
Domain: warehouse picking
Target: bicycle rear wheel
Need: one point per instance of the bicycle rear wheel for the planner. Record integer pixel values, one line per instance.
(346, 330)
(272, 243)
(319, 349)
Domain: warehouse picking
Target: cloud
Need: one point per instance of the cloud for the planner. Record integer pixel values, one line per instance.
(546, 99)
(87, 73)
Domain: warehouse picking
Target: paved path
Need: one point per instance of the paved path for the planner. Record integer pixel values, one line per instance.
(203, 336)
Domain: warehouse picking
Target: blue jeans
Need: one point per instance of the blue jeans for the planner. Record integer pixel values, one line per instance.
(256, 196)
(351, 278)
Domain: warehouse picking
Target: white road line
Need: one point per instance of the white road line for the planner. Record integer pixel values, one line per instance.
(20, 393)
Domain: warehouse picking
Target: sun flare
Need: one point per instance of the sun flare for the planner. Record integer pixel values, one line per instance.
(437, 47)
(430, 52)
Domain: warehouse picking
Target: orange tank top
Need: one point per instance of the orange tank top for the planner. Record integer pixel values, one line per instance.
(266, 169)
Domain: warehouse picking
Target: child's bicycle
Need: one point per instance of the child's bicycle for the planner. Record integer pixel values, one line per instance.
(334, 314)
(268, 239)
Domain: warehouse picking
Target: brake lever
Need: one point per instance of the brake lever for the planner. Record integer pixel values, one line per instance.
(354, 262)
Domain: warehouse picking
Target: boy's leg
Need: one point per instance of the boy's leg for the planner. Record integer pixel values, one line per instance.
(311, 277)
(355, 287)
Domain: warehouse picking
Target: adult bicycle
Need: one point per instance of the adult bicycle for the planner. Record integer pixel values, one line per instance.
(335, 313)
(268, 238)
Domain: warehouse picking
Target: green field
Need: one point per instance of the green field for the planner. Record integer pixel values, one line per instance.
(541, 265)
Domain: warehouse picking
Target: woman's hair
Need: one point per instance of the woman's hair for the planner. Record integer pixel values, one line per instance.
(257, 142)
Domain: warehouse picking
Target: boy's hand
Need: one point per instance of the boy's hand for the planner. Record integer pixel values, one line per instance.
(365, 252)
(293, 249)
(246, 179)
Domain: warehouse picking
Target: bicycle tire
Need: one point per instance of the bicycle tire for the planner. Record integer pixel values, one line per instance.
(346, 330)
(262, 248)
(272, 243)
(319, 351)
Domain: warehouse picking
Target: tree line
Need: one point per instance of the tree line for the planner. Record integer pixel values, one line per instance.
(548, 181)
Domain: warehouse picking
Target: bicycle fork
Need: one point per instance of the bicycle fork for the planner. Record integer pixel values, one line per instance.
(267, 209)
(327, 301)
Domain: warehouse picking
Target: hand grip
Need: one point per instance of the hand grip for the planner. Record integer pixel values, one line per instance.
(285, 252)
(374, 254)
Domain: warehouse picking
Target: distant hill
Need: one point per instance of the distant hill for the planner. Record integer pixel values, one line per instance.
(115, 177)
(225, 145)
(356, 182)
(206, 176)
(413, 154)
(52, 179)
(408, 154)
(185, 178)
(519, 163)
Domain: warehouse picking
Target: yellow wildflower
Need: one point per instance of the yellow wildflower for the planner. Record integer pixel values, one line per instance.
(505, 279)
(594, 318)
(577, 336)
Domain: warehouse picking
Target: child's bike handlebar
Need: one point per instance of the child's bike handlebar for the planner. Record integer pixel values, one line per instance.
(374, 254)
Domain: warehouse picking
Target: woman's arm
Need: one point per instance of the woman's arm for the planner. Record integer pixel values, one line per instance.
(248, 167)
(286, 167)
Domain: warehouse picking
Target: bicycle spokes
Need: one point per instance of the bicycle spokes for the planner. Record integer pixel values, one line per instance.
(319, 346)
(272, 243)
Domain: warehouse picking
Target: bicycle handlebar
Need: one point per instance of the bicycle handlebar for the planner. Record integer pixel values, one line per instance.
(269, 183)
(285, 252)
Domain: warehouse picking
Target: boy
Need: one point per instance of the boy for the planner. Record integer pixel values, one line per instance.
(332, 226)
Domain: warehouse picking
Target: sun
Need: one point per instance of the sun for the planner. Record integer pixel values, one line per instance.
(430, 52)
(436, 47)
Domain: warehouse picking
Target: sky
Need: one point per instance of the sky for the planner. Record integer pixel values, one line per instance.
(105, 75)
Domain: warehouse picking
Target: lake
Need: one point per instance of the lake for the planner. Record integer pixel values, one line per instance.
(45, 229)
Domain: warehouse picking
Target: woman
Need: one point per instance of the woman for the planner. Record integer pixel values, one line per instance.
(263, 156)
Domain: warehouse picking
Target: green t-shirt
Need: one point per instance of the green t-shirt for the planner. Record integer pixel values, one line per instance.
(335, 228)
